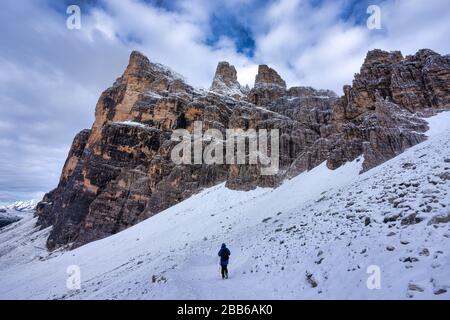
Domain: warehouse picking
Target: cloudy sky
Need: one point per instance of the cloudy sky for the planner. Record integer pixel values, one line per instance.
(51, 77)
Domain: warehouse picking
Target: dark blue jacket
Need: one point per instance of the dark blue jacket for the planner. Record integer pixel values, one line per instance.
(224, 255)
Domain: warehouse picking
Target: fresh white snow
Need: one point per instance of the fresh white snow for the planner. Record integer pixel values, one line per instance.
(18, 209)
(131, 123)
(315, 223)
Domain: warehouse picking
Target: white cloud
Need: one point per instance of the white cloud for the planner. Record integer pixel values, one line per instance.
(311, 45)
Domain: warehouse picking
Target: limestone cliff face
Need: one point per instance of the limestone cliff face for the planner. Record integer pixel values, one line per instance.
(120, 171)
(377, 116)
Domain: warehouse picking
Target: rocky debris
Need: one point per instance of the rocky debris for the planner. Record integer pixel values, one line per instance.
(120, 172)
(409, 259)
(391, 218)
(440, 291)
(411, 219)
(311, 280)
(440, 219)
(159, 279)
(415, 287)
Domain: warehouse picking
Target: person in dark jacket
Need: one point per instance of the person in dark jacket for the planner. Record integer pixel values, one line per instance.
(224, 255)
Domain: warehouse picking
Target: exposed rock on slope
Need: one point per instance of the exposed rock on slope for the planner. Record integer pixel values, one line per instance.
(120, 172)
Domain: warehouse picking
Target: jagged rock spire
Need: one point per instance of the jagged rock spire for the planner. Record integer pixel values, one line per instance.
(137, 64)
(225, 80)
(268, 77)
(225, 74)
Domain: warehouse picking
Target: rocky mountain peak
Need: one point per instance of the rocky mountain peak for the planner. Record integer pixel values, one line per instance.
(268, 77)
(380, 56)
(225, 80)
(226, 74)
(138, 64)
(425, 53)
(142, 69)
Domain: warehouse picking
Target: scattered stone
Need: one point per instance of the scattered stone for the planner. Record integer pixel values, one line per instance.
(445, 176)
(310, 278)
(439, 219)
(410, 259)
(411, 219)
(390, 248)
(391, 218)
(414, 287)
(408, 165)
(440, 291)
(319, 261)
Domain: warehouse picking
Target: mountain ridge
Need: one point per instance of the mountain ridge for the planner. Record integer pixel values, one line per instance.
(118, 174)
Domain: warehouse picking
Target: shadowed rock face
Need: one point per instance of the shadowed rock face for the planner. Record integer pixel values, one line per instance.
(120, 171)
(269, 87)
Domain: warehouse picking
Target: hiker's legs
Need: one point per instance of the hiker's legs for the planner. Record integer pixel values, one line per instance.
(223, 271)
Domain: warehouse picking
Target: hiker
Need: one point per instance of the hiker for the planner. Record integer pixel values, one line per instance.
(224, 255)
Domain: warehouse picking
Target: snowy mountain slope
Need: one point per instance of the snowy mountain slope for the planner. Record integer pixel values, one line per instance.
(13, 212)
(331, 225)
(20, 206)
